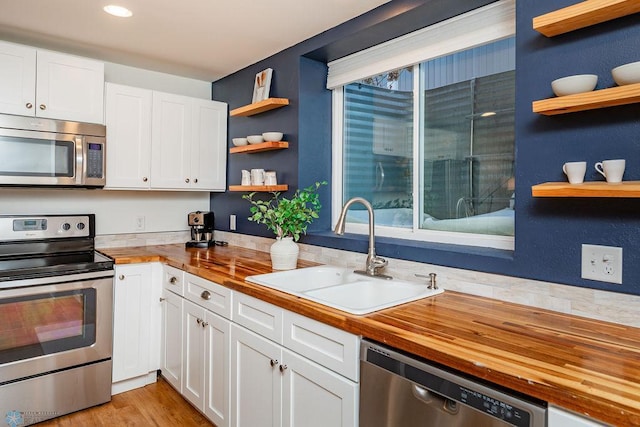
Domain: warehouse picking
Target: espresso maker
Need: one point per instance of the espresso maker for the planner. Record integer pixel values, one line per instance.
(201, 223)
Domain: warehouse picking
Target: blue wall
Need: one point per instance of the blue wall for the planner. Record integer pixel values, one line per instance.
(549, 232)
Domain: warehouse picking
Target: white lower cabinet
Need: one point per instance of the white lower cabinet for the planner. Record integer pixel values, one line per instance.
(274, 386)
(171, 350)
(557, 417)
(136, 319)
(205, 369)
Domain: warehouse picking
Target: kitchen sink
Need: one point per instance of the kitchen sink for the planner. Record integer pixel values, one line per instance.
(341, 288)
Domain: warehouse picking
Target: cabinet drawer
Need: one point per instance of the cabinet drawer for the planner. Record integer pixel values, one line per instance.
(330, 347)
(173, 279)
(261, 317)
(207, 294)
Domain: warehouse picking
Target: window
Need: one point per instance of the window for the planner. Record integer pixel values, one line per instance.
(431, 144)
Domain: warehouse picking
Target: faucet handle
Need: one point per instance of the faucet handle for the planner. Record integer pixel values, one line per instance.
(379, 262)
(432, 280)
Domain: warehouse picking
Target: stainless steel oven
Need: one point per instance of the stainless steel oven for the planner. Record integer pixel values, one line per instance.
(56, 305)
(44, 152)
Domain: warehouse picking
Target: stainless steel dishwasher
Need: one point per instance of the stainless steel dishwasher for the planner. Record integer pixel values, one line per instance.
(397, 390)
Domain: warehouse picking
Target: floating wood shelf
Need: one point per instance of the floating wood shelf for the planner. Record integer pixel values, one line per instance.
(583, 14)
(260, 107)
(619, 95)
(628, 189)
(259, 188)
(256, 148)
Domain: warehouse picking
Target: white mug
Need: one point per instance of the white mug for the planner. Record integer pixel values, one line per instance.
(246, 177)
(612, 170)
(257, 176)
(575, 171)
(270, 178)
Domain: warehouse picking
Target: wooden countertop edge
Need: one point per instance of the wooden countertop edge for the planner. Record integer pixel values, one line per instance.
(547, 384)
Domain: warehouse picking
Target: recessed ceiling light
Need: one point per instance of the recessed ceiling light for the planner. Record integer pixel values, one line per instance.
(118, 11)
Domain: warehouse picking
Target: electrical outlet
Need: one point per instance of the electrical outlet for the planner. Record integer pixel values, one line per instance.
(602, 263)
(232, 222)
(140, 223)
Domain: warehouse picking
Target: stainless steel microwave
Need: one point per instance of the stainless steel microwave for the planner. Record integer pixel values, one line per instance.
(44, 152)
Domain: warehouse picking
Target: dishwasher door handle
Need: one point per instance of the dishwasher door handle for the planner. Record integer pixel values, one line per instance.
(429, 397)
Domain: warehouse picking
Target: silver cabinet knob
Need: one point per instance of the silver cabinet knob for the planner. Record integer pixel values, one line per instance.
(145, 179)
(186, 180)
(273, 362)
(121, 277)
(283, 368)
(43, 107)
(206, 295)
(195, 180)
(173, 280)
(205, 324)
(29, 105)
(162, 299)
(198, 320)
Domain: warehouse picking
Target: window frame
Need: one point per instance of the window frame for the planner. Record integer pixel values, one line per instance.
(415, 233)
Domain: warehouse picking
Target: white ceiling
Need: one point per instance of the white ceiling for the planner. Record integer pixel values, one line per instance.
(201, 39)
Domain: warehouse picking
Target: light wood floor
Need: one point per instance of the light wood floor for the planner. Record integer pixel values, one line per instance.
(154, 405)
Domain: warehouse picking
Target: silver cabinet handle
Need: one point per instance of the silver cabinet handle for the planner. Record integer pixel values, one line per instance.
(29, 105)
(283, 368)
(121, 277)
(162, 299)
(43, 107)
(173, 280)
(198, 320)
(273, 362)
(206, 295)
(205, 324)
(186, 180)
(145, 179)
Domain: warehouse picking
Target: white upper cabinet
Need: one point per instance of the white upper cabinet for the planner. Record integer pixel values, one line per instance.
(162, 141)
(52, 85)
(128, 119)
(188, 143)
(208, 152)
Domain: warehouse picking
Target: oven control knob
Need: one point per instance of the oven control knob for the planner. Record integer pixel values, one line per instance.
(66, 226)
(80, 226)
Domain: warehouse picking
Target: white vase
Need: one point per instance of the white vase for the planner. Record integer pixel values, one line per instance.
(284, 254)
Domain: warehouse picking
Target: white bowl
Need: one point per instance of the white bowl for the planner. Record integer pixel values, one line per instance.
(239, 141)
(574, 84)
(255, 139)
(272, 136)
(627, 74)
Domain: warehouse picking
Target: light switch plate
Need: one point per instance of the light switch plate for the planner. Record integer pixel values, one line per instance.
(602, 263)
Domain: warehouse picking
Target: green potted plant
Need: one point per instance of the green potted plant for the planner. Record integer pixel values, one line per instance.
(288, 219)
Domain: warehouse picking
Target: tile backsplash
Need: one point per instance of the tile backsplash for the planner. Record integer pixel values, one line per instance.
(596, 304)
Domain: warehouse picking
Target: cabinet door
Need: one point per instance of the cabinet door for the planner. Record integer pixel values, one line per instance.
(256, 383)
(209, 145)
(155, 321)
(216, 369)
(17, 79)
(315, 396)
(557, 417)
(69, 87)
(128, 119)
(171, 359)
(131, 328)
(171, 129)
(193, 338)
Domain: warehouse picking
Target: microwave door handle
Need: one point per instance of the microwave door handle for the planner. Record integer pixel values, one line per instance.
(80, 164)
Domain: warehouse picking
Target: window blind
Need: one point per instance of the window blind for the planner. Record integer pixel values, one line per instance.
(477, 27)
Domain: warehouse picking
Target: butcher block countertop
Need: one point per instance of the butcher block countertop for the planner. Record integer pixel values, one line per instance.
(587, 366)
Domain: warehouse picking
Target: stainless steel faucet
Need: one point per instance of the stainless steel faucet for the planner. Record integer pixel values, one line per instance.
(374, 262)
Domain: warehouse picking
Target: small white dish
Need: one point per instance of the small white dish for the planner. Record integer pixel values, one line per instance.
(255, 139)
(627, 74)
(272, 136)
(239, 141)
(571, 85)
